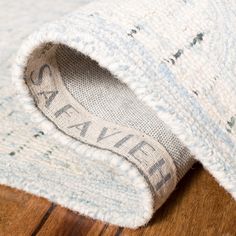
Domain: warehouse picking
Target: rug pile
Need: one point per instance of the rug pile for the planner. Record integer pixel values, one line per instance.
(121, 98)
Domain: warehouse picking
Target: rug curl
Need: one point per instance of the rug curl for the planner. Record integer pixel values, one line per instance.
(138, 91)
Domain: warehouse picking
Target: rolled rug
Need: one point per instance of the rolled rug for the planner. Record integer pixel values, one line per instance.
(138, 91)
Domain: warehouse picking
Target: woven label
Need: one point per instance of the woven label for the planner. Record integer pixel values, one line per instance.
(54, 100)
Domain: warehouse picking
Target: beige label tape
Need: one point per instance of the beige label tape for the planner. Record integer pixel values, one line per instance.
(54, 100)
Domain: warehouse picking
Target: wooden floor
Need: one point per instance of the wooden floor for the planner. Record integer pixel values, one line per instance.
(198, 207)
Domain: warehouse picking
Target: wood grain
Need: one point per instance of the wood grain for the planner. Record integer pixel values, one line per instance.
(198, 206)
(20, 213)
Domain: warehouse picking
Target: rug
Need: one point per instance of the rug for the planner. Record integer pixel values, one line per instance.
(122, 98)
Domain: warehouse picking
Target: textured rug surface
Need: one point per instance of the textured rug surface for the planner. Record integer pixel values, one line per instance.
(120, 98)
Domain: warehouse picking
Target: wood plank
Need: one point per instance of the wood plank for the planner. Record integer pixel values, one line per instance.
(198, 206)
(20, 213)
(65, 222)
